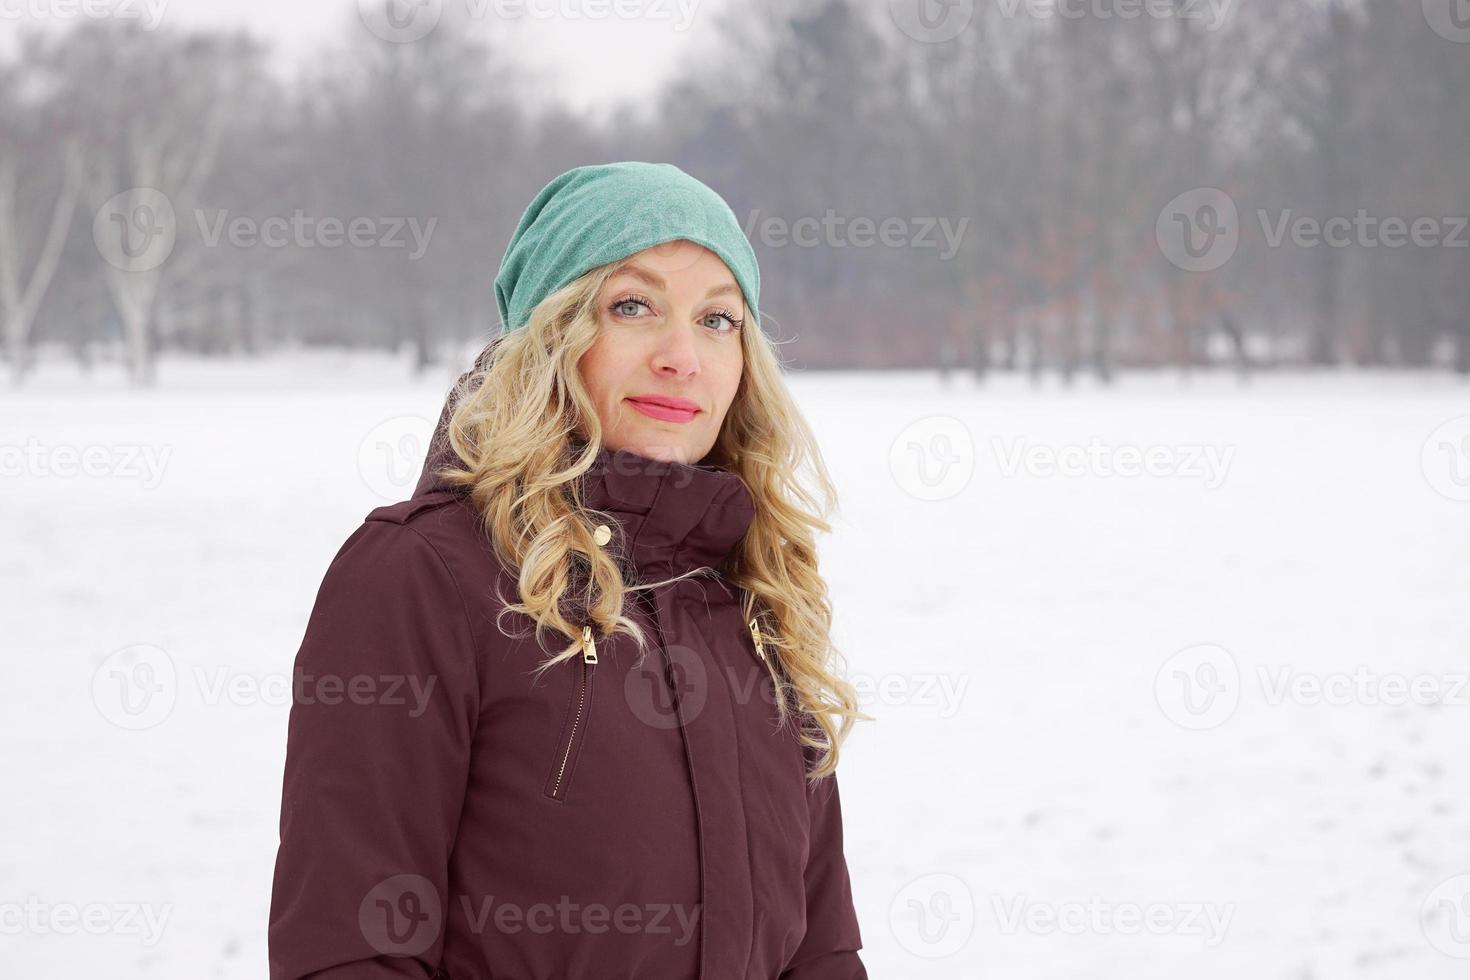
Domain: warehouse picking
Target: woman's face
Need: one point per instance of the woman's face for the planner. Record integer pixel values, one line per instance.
(668, 355)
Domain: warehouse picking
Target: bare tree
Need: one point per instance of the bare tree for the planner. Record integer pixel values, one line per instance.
(33, 224)
(156, 104)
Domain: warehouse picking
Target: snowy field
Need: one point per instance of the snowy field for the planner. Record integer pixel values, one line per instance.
(1207, 721)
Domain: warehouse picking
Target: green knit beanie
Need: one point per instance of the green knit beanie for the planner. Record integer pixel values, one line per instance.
(590, 216)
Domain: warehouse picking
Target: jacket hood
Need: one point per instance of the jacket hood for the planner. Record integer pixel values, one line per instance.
(670, 518)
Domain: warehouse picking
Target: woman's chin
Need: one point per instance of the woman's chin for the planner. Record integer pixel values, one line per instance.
(663, 451)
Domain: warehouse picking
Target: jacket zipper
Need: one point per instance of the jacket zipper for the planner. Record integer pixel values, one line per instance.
(755, 635)
(558, 788)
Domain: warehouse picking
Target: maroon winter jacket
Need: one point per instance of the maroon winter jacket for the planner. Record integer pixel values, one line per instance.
(446, 814)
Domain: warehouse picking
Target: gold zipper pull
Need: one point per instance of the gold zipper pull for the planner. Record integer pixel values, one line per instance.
(589, 646)
(755, 634)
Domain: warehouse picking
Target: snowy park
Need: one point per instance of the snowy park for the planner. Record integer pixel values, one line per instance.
(1169, 675)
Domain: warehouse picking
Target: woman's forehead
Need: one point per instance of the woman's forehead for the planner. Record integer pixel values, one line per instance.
(711, 275)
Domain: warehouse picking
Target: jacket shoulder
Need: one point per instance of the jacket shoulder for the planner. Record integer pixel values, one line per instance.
(431, 547)
(448, 524)
(406, 510)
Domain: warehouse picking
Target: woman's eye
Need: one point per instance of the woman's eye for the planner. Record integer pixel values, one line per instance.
(714, 319)
(628, 307)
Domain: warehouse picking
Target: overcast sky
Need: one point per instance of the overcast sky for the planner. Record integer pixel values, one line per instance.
(588, 55)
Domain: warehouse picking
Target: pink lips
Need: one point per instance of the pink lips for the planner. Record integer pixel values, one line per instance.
(664, 408)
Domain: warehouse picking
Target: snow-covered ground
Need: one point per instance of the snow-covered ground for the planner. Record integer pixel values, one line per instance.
(1208, 721)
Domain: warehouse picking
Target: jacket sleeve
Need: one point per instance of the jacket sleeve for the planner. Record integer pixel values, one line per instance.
(828, 951)
(385, 697)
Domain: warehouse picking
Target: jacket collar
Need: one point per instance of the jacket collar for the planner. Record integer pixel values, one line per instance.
(672, 517)
(668, 518)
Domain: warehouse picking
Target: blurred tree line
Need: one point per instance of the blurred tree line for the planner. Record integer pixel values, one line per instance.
(985, 201)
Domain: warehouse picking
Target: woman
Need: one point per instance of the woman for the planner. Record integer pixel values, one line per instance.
(566, 713)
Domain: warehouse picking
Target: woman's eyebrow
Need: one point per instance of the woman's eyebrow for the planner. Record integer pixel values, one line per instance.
(657, 281)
